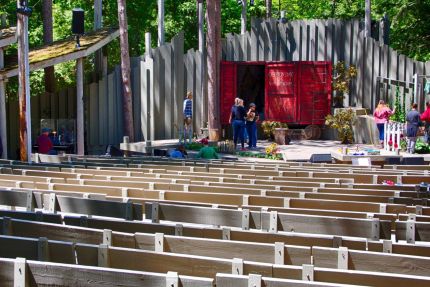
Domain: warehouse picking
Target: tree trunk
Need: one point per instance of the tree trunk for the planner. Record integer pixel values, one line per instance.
(48, 38)
(214, 60)
(125, 71)
(268, 8)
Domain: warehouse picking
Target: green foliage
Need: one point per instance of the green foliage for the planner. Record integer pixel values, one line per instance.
(342, 121)
(421, 147)
(342, 79)
(409, 26)
(399, 107)
(270, 126)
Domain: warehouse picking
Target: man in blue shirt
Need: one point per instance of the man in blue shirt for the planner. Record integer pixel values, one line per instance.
(188, 117)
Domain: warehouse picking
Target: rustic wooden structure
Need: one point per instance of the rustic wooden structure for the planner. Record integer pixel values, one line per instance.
(59, 52)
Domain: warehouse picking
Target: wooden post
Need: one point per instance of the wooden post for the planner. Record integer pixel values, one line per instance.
(243, 18)
(80, 106)
(24, 88)
(125, 71)
(160, 23)
(368, 19)
(214, 61)
(3, 118)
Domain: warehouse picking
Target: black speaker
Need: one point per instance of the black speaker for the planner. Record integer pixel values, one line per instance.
(78, 21)
(321, 158)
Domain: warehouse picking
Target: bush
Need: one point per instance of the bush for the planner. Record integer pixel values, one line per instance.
(342, 121)
(270, 126)
(422, 147)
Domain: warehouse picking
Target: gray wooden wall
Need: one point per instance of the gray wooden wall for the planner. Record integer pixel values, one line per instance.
(166, 76)
(160, 81)
(330, 40)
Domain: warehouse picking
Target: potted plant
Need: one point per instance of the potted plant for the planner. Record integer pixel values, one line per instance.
(342, 121)
(341, 80)
(270, 126)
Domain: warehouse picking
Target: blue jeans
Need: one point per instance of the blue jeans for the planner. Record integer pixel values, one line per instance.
(238, 132)
(381, 129)
(251, 128)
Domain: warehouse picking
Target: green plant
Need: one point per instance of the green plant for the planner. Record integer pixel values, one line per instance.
(270, 126)
(341, 80)
(403, 144)
(399, 108)
(342, 121)
(422, 147)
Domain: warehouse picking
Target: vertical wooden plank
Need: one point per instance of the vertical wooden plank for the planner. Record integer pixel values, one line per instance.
(368, 70)
(62, 96)
(12, 131)
(321, 44)
(147, 95)
(111, 109)
(167, 56)
(119, 99)
(262, 38)
(347, 41)
(384, 71)
(159, 70)
(71, 99)
(102, 120)
(393, 62)
(295, 41)
(94, 114)
(313, 38)
(303, 40)
(255, 31)
(282, 47)
(419, 69)
(330, 40)
(54, 106)
(402, 68)
(178, 52)
(135, 72)
(376, 73)
(361, 72)
(229, 47)
(35, 116)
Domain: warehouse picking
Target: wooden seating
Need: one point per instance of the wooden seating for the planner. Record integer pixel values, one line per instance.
(230, 224)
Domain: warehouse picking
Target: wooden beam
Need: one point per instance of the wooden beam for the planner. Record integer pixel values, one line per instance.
(80, 131)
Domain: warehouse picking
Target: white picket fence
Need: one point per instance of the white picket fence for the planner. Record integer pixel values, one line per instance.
(393, 132)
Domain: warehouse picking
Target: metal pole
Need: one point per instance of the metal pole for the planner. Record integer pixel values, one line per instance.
(98, 24)
(202, 59)
(368, 19)
(160, 23)
(201, 26)
(80, 106)
(243, 18)
(24, 88)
